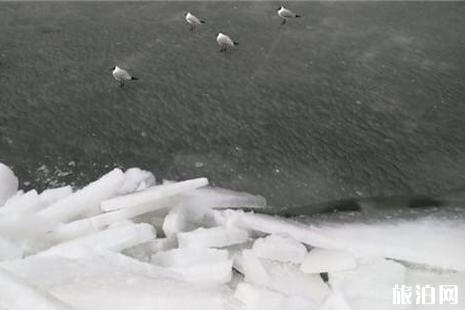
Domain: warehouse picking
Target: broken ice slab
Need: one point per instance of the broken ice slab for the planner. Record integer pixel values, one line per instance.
(258, 298)
(114, 239)
(207, 266)
(374, 278)
(282, 277)
(85, 201)
(402, 239)
(20, 203)
(17, 294)
(322, 260)
(161, 245)
(176, 221)
(152, 194)
(189, 257)
(280, 247)
(93, 224)
(121, 291)
(215, 197)
(9, 184)
(52, 195)
(136, 179)
(215, 237)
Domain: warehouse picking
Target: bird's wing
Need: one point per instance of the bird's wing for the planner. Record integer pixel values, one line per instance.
(123, 74)
(287, 13)
(224, 39)
(193, 19)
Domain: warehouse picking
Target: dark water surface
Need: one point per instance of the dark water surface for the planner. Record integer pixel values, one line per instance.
(354, 99)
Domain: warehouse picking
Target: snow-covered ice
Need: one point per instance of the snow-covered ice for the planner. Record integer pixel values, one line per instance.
(123, 242)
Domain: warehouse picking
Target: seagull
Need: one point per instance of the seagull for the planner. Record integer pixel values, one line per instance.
(285, 14)
(122, 75)
(224, 41)
(192, 20)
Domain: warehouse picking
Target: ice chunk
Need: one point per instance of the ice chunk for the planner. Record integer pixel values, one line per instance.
(430, 241)
(280, 247)
(306, 234)
(176, 221)
(252, 268)
(212, 237)
(16, 294)
(85, 201)
(136, 179)
(321, 260)
(374, 278)
(258, 298)
(9, 183)
(189, 257)
(208, 266)
(89, 225)
(161, 245)
(215, 197)
(285, 278)
(28, 202)
(152, 194)
(114, 239)
(50, 196)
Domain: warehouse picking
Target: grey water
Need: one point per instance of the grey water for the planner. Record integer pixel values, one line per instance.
(353, 100)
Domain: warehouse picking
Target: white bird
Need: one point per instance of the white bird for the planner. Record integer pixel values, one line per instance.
(192, 20)
(122, 75)
(224, 41)
(285, 14)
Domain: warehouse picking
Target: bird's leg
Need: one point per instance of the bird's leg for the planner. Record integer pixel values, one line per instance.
(283, 22)
(223, 48)
(121, 83)
(191, 27)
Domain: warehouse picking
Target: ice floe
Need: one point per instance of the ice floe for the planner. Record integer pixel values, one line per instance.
(125, 242)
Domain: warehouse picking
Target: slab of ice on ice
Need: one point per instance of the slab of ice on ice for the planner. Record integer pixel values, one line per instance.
(114, 239)
(280, 247)
(212, 237)
(208, 266)
(322, 260)
(430, 241)
(9, 183)
(136, 179)
(215, 197)
(85, 201)
(374, 278)
(252, 268)
(402, 240)
(152, 194)
(16, 294)
(161, 245)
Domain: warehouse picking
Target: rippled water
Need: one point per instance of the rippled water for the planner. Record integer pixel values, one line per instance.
(354, 99)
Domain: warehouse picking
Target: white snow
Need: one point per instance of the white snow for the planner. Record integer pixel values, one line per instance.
(97, 248)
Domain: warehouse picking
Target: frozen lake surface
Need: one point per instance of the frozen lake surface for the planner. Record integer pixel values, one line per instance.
(353, 99)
